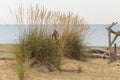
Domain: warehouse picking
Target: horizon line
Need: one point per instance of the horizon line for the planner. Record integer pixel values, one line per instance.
(37, 24)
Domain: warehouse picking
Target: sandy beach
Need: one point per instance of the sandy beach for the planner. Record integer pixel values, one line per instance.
(59, 40)
(93, 69)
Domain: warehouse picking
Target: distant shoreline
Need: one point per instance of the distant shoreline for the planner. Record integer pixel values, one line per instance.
(86, 45)
(96, 46)
(30, 24)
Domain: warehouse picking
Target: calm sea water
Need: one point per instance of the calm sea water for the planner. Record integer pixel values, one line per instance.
(98, 35)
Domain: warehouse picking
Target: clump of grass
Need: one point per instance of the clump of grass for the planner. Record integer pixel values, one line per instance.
(73, 31)
(42, 47)
(35, 40)
(73, 48)
(22, 56)
(21, 71)
(79, 68)
(38, 45)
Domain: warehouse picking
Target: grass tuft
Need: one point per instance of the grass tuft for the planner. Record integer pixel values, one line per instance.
(37, 40)
(79, 69)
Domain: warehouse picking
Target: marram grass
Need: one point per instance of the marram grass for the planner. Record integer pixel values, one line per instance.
(36, 41)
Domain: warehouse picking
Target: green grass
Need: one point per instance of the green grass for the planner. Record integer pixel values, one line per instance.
(79, 68)
(73, 36)
(36, 40)
(42, 47)
(21, 71)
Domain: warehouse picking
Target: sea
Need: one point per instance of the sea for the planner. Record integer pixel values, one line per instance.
(97, 36)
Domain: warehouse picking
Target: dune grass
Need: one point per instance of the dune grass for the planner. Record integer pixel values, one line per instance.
(73, 31)
(22, 56)
(37, 40)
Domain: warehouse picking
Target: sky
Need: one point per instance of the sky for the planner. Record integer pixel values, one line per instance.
(94, 11)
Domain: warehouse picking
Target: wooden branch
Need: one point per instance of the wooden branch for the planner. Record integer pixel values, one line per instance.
(99, 50)
(103, 53)
(109, 40)
(99, 56)
(115, 51)
(110, 26)
(6, 58)
(111, 55)
(116, 33)
(112, 31)
(114, 40)
(94, 55)
(118, 56)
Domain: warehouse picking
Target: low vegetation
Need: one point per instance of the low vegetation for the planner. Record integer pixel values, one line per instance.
(21, 71)
(39, 41)
(79, 68)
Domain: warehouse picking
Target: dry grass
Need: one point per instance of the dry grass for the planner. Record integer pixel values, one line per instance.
(35, 40)
(72, 30)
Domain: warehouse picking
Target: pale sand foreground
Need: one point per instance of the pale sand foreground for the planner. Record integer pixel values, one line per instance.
(94, 69)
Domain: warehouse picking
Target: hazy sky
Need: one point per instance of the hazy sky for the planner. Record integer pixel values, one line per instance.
(94, 11)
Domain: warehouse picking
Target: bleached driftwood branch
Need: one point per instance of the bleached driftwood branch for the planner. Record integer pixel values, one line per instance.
(101, 53)
(6, 58)
(112, 56)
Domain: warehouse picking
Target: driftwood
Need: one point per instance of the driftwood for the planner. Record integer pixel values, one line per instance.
(94, 55)
(113, 56)
(99, 51)
(6, 58)
(102, 53)
(118, 56)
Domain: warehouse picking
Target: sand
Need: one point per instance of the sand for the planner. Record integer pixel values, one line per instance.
(93, 69)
